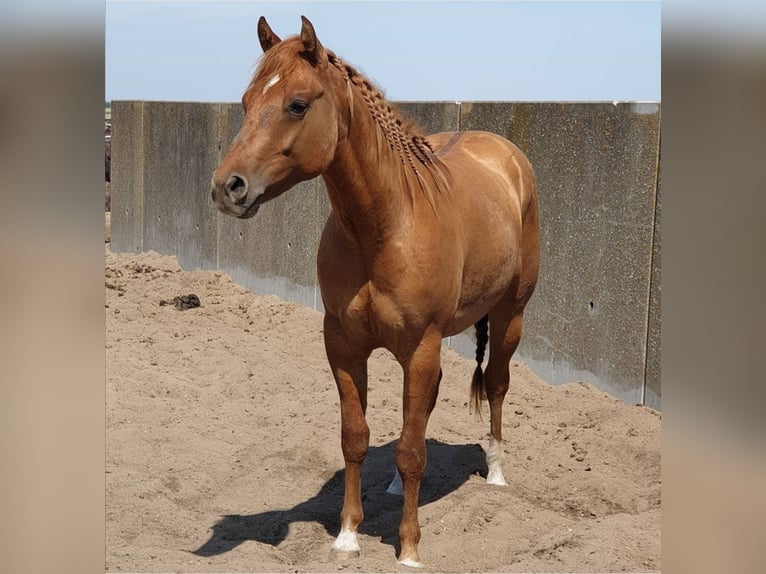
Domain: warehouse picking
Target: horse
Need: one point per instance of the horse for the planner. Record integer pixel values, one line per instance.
(427, 237)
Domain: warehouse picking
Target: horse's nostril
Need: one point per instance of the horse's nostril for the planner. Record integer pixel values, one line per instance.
(236, 189)
(235, 185)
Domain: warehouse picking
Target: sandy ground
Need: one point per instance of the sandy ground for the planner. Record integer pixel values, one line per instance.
(223, 449)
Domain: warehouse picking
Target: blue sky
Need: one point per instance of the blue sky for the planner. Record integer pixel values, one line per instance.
(508, 51)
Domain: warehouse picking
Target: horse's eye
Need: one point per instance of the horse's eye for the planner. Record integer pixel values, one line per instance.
(298, 108)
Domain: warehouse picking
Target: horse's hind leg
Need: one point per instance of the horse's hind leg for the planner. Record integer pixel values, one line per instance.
(504, 335)
(349, 367)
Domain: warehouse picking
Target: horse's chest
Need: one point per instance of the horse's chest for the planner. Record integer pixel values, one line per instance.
(373, 318)
(385, 302)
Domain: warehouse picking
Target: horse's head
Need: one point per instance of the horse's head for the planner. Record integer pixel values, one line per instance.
(290, 130)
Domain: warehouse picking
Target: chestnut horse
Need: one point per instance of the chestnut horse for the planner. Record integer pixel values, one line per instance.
(427, 237)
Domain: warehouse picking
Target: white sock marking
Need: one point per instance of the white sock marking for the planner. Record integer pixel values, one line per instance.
(495, 463)
(346, 541)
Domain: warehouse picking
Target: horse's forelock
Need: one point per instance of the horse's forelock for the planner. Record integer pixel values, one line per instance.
(283, 59)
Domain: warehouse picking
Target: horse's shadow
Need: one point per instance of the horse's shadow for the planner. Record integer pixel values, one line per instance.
(449, 466)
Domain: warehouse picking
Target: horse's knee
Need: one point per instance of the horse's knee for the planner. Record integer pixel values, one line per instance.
(410, 459)
(355, 443)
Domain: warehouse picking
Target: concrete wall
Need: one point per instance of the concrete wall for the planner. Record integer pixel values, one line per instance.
(595, 316)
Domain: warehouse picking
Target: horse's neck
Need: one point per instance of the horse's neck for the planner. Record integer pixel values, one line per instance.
(365, 190)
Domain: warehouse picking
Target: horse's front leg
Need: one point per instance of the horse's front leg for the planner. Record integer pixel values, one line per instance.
(421, 386)
(349, 368)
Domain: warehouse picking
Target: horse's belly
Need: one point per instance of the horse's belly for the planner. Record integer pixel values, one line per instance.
(472, 308)
(487, 277)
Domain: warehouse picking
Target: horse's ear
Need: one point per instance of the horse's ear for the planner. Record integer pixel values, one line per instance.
(314, 49)
(266, 35)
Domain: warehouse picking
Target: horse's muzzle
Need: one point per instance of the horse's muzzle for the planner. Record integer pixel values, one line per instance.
(234, 196)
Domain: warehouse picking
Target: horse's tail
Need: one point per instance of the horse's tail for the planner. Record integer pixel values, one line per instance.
(478, 391)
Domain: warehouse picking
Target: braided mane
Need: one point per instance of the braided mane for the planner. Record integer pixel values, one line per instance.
(420, 167)
(403, 136)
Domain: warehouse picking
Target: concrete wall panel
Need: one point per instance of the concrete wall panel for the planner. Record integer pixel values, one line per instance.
(275, 251)
(433, 117)
(127, 175)
(180, 154)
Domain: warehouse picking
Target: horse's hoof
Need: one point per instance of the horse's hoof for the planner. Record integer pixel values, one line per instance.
(410, 562)
(497, 479)
(343, 555)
